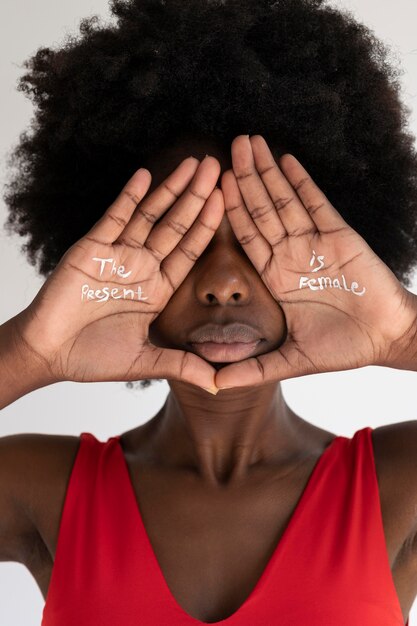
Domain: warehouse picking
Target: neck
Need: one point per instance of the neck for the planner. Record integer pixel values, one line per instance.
(223, 437)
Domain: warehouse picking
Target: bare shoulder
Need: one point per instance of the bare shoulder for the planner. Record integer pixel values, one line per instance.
(34, 473)
(395, 446)
(395, 452)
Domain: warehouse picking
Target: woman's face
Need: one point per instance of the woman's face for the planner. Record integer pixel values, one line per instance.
(223, 287)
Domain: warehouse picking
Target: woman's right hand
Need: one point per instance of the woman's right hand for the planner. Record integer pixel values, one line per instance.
(85, 333)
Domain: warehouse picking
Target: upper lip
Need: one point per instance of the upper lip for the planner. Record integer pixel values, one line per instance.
(230, 333)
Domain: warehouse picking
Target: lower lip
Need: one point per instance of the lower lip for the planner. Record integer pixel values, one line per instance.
(224, 352)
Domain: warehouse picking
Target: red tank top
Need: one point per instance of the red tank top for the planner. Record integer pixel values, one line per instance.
(329, 567)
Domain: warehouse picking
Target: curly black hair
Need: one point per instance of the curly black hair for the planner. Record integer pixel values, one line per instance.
(301, 73)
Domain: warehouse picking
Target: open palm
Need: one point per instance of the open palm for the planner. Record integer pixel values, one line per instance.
(90, 320)
(343, 306)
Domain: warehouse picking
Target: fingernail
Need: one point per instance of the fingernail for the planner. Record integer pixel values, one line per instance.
(226, 387)
(213, 390)
(206, 156)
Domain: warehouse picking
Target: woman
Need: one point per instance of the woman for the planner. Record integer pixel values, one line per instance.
(224, 507)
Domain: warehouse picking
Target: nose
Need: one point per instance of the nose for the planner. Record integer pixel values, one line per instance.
(226, 277)
(223, 291)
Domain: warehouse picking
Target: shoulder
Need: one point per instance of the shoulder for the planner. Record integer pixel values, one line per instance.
(34, 472)
(395, 448)
(34, 461)
(39, 455)
(50, 460)
(395, 453)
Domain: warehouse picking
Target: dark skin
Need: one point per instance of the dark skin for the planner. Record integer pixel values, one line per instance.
(232, 446)
(242, 453)
(247, 425)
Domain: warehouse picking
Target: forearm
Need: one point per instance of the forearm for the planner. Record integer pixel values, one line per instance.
(21, 370)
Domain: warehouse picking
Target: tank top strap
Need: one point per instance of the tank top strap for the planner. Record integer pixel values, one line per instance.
(335, 541)
(352, 512)
(98, 516)
(375, 555)
(79, 521)
(374, 531)
(102, 556)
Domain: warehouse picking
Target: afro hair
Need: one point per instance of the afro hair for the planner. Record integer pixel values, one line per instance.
(299, 72)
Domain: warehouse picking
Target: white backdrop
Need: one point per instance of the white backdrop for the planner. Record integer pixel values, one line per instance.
(342, 402)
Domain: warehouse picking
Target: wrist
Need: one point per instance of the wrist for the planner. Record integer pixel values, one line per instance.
(402, 353)
(21, 369)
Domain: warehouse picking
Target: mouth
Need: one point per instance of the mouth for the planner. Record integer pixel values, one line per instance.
(223, 343)
(225, 352)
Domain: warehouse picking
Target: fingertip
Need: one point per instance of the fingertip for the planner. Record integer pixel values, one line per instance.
(226, 174)
(256, 138)
(144, 169)
(287, 156)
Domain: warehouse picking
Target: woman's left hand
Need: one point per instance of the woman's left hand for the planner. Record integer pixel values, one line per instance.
(344, 307)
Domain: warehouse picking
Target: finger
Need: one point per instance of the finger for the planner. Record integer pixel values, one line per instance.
(172, 364)
(172, 228)
(321, 211)
(254, 193)
(178, 264)
(107, 229)
(246, 231)
(157, 203)
(288, 361)
(292, 212)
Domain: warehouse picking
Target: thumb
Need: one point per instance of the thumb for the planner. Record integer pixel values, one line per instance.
(287, 361)
(156, 362)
